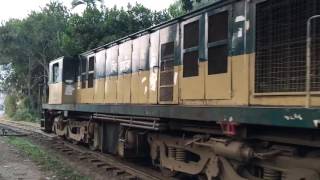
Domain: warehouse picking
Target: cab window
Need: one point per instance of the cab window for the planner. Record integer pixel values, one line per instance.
(83, 72)
(55, 73)
(91, 72)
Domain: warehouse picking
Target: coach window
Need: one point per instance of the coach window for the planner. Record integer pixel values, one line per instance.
(91, 72)
(218, 43)
(55, 73)
(83, 72)
(190, 49)
(78, 75)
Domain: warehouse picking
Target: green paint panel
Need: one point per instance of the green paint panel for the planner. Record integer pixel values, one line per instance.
(280, 116)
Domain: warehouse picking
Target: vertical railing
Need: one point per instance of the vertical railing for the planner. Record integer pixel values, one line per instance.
(308, 61)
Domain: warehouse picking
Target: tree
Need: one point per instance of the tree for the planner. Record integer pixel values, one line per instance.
(176, 9)
(88, 3)
(187, 5)
(10, 105)
(27, 45)
(83, 32)
(96, 27)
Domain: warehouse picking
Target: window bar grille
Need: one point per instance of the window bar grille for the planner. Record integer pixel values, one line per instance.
(308, 60)
(280, 64)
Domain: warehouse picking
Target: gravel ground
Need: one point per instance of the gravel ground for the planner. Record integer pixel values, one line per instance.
(15, 166)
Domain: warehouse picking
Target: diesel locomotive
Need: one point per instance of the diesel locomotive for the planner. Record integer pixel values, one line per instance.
(230, 91)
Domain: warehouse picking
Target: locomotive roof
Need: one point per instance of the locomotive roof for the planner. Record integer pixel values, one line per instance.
(213, 5)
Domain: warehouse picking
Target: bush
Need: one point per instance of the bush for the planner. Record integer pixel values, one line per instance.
(25, 111)
(10, 104)
(24, 115)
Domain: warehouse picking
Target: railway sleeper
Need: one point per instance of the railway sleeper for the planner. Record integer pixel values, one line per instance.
(66, 150)
(83, 158)
(59, 147)
(95, 161)
(101, 164)
(118, 172)
(130, 177)
(109, 168)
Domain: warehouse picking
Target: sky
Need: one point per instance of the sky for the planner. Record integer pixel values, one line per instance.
(21, 8)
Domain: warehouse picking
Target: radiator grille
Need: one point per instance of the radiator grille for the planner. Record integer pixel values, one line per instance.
(281, 46)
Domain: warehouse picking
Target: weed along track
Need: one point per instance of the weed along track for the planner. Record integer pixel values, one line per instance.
(107, 166)
(9, 132)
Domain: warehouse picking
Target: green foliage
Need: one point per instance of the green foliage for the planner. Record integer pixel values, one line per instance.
(176, 9)
(27, 46)
(24, 115)
(25, 111)
(89, 3)
(10, 105)
(45, 160)
(96, 26)
(187, 5)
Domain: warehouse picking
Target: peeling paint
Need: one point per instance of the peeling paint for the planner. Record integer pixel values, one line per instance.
(175, 78)
(145, 90)
(316, 123)
(240, 19)
(153, 82)
(144, 79)
(240, 32)
(293, 117)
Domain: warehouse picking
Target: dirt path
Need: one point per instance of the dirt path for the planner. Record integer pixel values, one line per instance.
(16, 166)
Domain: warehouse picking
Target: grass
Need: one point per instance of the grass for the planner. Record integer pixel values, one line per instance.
(46, 161)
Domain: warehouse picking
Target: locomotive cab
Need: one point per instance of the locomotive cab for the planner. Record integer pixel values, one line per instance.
(62, 81)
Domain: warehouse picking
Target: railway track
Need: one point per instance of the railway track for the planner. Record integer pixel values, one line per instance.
(113, 167)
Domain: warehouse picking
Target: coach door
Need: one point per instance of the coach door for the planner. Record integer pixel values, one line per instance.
(218, 66)
(153, 67)
(192, 85)
(168, 84)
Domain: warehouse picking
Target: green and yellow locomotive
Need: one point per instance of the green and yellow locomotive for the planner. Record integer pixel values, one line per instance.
(230, 91)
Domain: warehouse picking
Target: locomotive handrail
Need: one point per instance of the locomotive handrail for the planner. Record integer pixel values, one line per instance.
(308, 59)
